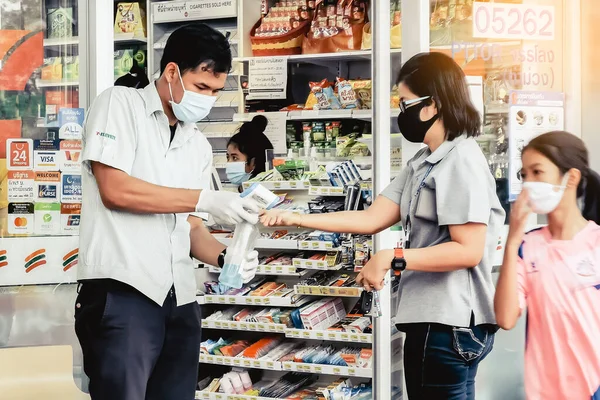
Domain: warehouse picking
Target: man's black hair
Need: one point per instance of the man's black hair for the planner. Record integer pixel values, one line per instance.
(197, 44)
(439, 76)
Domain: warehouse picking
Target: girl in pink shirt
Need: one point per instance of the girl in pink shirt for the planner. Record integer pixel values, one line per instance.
(554, 272)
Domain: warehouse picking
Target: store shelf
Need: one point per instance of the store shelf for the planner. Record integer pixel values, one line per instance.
(315, 264)
(253, 300)
(223, 396)
(356, 55)
(328, 291)
(43, 84)
(319, 114)
(279, 270)
(240, 362)
(327, 369)
(128, 38)
(269, 244)
(497, 109)
(281, 185)
(244, 326)
(59, 42)
(329, 335)
(326, 191)
(213, 130)
(316, 245)
(289, 332)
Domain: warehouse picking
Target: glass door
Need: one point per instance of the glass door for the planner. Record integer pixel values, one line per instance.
(41, 117)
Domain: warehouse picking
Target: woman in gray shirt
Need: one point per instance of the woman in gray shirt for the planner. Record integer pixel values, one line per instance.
(446, 200)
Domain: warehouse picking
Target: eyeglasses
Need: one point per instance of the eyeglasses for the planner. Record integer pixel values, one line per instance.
(404, 104)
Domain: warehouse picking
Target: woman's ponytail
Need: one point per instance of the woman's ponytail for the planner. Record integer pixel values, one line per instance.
(591, 197)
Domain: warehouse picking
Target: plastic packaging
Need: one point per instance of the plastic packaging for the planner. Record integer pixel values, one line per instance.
(244, 237)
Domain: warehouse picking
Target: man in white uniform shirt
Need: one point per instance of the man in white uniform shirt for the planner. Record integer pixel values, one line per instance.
(146, 170)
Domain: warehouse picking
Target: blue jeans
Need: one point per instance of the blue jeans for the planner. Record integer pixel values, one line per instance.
(440, 362)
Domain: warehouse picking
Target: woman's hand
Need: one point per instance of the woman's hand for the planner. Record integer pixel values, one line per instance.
(280, 218)
(372, 275)
(518, 220)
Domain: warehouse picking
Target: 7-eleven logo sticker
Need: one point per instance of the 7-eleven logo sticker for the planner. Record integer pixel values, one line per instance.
(3, 258)
(70, 260)
(35, 259)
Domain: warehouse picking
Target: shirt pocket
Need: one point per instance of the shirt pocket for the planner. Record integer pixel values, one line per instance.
(426, 205)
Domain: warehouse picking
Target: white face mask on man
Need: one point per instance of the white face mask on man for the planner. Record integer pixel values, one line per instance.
(193, 107)
(545, 197)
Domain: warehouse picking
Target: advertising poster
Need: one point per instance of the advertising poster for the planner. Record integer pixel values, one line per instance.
(531, 114)
(267, 78)
(21, 186)
(71, 188)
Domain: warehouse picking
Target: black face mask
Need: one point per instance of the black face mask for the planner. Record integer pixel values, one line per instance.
(410, 124)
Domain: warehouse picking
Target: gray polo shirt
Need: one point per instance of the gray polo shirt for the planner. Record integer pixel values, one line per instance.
(459, 189)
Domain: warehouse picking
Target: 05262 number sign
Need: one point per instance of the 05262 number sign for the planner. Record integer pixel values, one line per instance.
(513, 21)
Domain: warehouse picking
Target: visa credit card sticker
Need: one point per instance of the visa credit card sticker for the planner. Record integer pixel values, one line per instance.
(19, 154)
(70, 216)
(71, 188)
(47, 218)
(21, 186)
(45, 154)
(70, 156)
(20, 218)
(70, 121)
(47, 187)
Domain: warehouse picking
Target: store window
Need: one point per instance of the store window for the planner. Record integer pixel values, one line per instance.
(41, 119)
(516, 48)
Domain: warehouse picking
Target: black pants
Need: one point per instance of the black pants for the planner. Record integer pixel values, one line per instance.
(440, 362)
(134, 349)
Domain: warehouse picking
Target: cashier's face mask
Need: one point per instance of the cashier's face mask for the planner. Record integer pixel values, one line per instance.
(409, 120)
(236, 172)
(545, 197)
(193, 107)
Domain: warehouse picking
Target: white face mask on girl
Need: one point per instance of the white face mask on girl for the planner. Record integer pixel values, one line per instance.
(193, 107)
(545, 197)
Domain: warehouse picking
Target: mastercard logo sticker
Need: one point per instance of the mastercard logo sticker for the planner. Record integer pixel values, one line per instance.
(21, 222)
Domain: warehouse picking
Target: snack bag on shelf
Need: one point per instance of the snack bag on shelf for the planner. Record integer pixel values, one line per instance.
(326, 98)
(336, 28)
(60, 22)
(52, 70)
(130, 20)
(346, 93)
(362, 88)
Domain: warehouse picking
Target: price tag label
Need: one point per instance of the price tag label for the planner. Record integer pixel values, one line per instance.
(226, 325)
(270, 365)
(306, 335)
(261, 327)
(221, 299)
(219, 397)
(268, 269)
(279, 270)
(304, 245)
(217, 324)
(237, 362)
(364, 338)
(337, 370)
(206, 396)
(345, 336)
(256, 364)
(513, 21)
(320, 335)
(293, 184)
(248, 300)
(267, 300)
(205, 324)
(247, 363)
(316, 245)
(354, 338)
(297, 262)
(331, 336)
(351, 371)
(318, 369)
(232, 300)
(277, 185)
(257, 300)
(208, 299)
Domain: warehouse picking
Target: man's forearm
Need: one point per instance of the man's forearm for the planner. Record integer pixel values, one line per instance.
(205, 248)
(122, 192)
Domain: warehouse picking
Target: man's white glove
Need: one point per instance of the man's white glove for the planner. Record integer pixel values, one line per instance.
(249, 266)
(227, 208)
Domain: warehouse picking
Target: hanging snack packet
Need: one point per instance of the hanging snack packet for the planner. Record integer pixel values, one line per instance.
(362, 88)
(326, 98)
(346, 93)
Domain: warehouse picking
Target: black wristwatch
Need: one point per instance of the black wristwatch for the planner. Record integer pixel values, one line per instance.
(399, 262)
(221, 258)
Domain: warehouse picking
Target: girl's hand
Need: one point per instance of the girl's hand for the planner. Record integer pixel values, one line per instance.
(373, 273)
(280, 218)
(519, 214)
